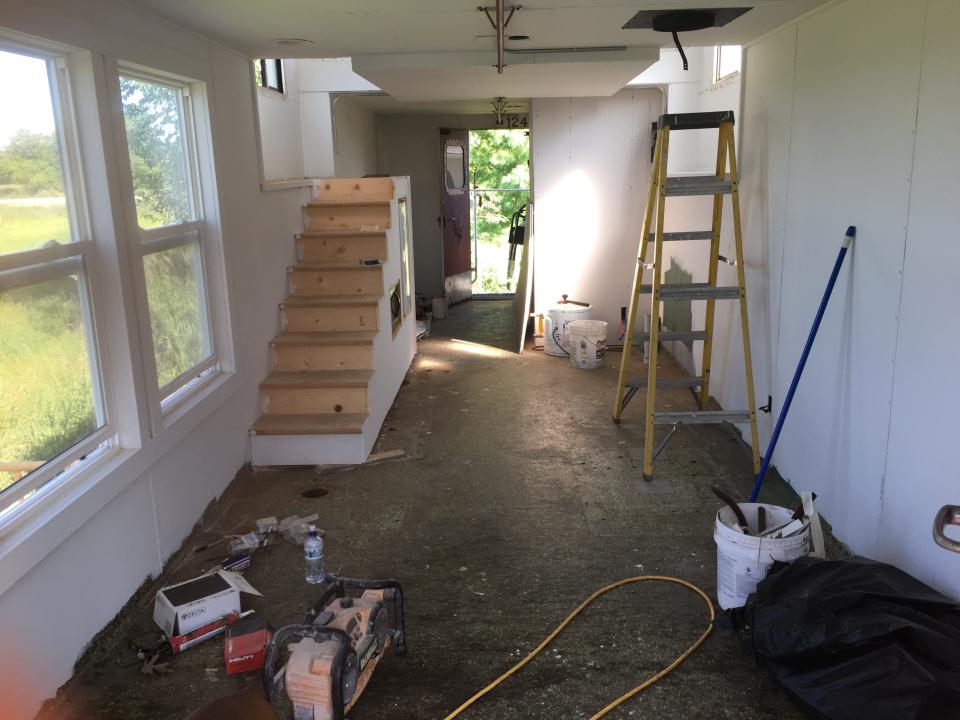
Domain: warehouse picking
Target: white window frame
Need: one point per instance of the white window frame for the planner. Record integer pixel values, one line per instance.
(717, 53)
(170, 401)
(35, 266)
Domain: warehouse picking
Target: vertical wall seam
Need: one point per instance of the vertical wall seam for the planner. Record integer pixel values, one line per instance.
(156, 522)
(786, 210)
(903, 265)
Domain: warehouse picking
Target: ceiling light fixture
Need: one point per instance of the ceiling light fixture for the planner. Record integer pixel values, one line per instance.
(293, 41)
(518, 37)
(500, 25)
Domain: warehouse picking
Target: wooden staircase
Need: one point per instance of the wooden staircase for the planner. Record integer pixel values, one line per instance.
(323, 360)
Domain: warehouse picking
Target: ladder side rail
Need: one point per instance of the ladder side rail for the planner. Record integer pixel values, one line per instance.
(655, 307)
(707, 357)
(741, 280)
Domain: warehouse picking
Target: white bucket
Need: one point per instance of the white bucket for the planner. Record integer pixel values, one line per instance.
(744, 560)
(588, 343)
(556, 334)
(439, 308)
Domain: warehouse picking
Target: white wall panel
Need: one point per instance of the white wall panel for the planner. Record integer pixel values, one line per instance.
(591, 167)
(921, 459)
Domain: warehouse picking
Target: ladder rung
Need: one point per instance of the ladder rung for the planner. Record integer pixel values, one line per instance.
(701, 417)
(674, 336)
(697, 185)
(694, 291)
(695, 121)
(680, 382)
(675, 236)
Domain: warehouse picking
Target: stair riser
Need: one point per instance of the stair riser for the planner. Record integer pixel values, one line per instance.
(336, 282)
(342, 249)
(347, 217)
(354, 190)
(300, 401)
(325, 357)
(319, 319)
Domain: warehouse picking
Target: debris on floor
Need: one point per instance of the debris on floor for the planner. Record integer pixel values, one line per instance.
(855, 638)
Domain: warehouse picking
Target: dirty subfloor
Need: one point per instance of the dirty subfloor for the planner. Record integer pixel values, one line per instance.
(517, 497)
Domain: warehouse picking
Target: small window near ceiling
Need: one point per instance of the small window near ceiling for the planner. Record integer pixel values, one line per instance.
(269, 73)
(727, 62)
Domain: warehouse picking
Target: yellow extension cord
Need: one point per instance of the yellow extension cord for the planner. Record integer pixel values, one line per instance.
(639, 688)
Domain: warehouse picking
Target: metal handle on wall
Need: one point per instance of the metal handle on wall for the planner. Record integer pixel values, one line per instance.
(948, 515)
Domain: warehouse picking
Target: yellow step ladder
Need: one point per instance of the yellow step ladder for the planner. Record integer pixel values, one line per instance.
(722, 183)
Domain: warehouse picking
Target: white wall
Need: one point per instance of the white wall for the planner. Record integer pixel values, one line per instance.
(64, 582)
(321, 80)
(847, 122)
(354, 138)
(280, 130)
(591, 171)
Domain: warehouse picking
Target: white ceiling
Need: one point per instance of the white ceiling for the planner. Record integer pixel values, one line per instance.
(433, 50)
(340, 28)
(462, 76)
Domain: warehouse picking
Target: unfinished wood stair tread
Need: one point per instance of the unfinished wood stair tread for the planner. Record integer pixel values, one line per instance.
(327, 424)
(294, 380)
(346, 203)
(333, 337)
(329, 300)
(341, 233)
(314, 267)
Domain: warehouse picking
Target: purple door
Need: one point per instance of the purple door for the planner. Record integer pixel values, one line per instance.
(455, 214)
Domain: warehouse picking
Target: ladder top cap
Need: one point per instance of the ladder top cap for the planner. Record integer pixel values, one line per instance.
(695, 121)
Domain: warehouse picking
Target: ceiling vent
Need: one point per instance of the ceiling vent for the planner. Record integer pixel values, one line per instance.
(678, 21)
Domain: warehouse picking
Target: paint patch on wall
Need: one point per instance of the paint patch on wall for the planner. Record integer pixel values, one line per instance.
(678, 314)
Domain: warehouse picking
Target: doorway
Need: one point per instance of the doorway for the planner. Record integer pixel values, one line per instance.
(499, 164)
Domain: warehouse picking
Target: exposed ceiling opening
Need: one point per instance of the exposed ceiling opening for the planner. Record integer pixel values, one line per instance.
(675, 21)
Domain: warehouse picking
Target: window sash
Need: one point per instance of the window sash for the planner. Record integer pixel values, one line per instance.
(38, 265)
(187, 127)
(169, 237)
(102, 437)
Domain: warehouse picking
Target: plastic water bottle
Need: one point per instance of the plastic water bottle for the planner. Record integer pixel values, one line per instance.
(313, 556)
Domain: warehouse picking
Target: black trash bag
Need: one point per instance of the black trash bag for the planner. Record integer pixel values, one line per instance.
(855, 639)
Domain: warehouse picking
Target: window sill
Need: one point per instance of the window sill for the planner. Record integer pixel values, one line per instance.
(291, 184)
(41, 529)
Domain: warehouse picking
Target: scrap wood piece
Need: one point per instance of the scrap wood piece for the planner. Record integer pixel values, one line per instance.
(384, 456)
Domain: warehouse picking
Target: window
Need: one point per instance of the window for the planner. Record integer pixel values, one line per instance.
(269, 73)
(161, 141)
(406, 277)
(727, 60)
(456, 166)
(52, 404)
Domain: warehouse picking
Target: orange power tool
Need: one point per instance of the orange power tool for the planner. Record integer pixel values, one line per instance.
(332, 654)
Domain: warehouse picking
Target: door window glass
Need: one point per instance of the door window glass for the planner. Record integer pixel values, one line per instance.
(456, 166)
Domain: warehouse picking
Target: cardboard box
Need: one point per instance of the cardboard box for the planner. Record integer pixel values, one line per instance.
(182, 608)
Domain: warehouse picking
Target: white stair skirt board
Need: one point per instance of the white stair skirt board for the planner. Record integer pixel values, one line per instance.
(308, 450)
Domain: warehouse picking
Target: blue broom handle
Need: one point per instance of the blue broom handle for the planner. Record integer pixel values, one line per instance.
(847, 240)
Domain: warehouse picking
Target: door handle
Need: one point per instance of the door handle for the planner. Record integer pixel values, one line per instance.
(948, 515)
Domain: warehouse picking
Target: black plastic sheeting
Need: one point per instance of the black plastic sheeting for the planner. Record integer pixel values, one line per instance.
(855, 639)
